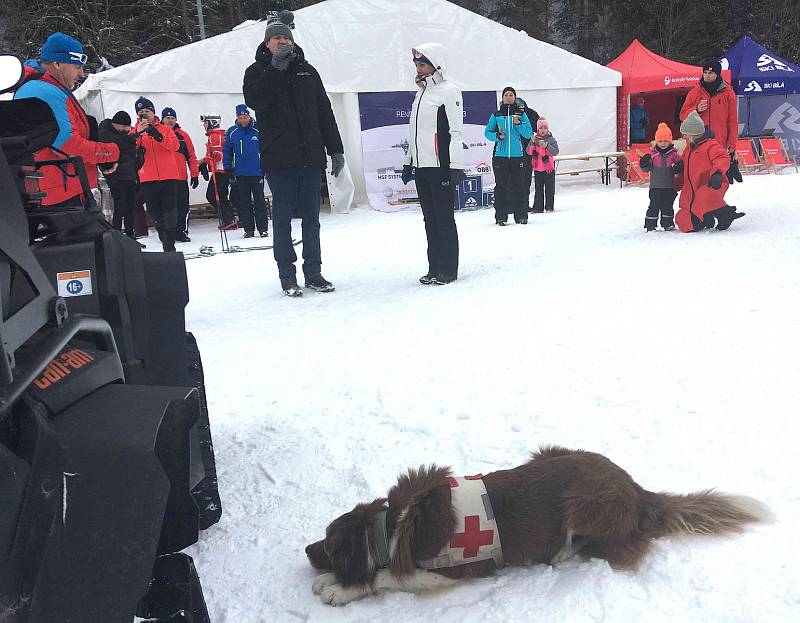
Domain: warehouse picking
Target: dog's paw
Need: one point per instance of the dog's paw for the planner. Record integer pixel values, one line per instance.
(323, 581)
(338, 595)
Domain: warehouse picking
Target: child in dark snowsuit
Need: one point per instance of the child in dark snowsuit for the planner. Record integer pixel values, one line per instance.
(664, 164)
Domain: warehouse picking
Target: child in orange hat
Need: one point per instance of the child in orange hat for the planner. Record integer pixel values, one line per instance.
(664, 165)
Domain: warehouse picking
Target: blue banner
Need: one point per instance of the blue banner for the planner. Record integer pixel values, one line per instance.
(778, 114)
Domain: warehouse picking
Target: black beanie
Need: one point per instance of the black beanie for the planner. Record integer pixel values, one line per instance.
(121, 117)
(510, 89)
(714, 65)
(143, 103)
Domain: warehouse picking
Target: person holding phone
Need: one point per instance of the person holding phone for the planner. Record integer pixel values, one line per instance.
(508, 127)
(158, 174)
(714, 100)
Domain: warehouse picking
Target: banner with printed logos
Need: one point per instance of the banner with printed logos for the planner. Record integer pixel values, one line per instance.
(779, 114)
(384, 142)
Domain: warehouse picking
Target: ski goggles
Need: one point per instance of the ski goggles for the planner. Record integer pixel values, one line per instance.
(78, 57)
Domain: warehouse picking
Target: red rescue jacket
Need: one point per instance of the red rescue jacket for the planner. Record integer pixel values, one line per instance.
(700, 162)
(215, 144)
(160, 162)
(721, 116)
(189, 157)
(73, 137)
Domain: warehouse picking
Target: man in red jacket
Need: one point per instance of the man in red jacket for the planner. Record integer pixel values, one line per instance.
(185, 156)
(52, 80)
(714, 100)
(158, 175)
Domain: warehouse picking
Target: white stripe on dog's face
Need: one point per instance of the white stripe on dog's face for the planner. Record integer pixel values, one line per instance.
(393, 540)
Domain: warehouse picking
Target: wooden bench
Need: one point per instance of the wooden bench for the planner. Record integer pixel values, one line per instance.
(610, 163)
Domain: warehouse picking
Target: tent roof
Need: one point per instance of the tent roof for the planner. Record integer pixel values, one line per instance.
(365, 45)
(643, 70)
(758, 71)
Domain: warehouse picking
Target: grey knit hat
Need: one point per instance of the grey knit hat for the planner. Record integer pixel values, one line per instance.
(279, 24)
(693, 124)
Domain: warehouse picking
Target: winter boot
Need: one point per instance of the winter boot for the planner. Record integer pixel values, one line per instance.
(248, 234)
(443, 280)
(263, 234)
(319, 283)
(427, 279)
(290, 287)
(724, 221)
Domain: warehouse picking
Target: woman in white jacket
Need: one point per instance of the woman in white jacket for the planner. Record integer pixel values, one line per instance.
(435, 158)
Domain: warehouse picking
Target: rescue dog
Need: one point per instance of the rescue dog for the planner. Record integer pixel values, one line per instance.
(559, 503)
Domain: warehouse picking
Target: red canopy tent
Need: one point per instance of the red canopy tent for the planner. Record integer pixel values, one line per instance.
(662, 82)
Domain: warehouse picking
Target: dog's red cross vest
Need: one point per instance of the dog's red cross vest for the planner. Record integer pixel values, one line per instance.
(476, 536)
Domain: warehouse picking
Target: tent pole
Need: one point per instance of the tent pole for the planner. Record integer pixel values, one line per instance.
(200, 21)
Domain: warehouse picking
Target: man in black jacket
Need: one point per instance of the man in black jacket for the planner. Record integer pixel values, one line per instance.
(297, 126)
(122, 180)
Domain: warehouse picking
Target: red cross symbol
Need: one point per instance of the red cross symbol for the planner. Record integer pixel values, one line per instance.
(473, 537)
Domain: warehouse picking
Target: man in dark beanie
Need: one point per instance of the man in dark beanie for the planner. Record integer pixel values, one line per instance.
(296, 127)
(714, 100)
(184, 157)
(122, 181)
(52, 80)
(159, 173)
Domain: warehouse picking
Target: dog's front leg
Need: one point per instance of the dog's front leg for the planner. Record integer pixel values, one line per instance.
(418, 582)
(323, 581)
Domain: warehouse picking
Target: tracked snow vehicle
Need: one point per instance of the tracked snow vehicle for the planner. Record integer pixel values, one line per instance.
(106, 461)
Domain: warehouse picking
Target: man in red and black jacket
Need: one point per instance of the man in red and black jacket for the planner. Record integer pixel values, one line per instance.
(158, 175)
(185, 156)
(52, 80)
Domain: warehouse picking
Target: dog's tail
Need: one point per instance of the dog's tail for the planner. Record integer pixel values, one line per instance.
(703, 512)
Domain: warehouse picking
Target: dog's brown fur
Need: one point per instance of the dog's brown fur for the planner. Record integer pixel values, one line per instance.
(538, 506)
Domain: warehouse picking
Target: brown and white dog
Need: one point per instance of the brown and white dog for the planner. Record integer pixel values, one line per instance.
(559, 502)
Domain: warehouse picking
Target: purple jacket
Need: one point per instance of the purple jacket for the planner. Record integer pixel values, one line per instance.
(662, 175)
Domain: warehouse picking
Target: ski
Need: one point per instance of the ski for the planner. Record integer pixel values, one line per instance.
(208, 250)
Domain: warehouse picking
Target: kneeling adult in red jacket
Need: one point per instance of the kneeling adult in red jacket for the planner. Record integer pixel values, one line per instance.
(702, 203)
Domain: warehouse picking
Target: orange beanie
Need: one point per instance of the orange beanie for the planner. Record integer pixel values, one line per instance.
(663, 133)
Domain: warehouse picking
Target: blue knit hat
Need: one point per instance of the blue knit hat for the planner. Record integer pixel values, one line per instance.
(169, 112)
(61, 48)
(143, 103)
(241, 109)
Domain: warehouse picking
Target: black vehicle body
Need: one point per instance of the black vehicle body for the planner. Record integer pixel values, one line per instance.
(106, 461)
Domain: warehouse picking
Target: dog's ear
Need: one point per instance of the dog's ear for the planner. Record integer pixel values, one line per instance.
(348, 544)
(425, 526)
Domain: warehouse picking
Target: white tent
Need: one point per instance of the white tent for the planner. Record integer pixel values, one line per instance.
(365, 46)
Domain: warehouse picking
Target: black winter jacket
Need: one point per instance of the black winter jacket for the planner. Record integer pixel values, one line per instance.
(295, 119)
(126, 165)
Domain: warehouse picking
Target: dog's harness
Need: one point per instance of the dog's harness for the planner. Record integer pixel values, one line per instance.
(475, 537)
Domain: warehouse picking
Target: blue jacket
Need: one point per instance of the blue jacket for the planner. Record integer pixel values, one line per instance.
(639, 122)
(511, 144)
(242, 154)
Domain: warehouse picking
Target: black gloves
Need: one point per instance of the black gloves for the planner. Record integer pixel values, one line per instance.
(408, 172)
(194, 183)
(734, 174)
(715, 181)
(678, 167)
(456, 176)
(283, 57)
(645, 162)
(204, 170)
(154, 133)
(337, 164)
(545, 158)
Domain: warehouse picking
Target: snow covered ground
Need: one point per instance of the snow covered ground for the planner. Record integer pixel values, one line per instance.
(673, 354)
